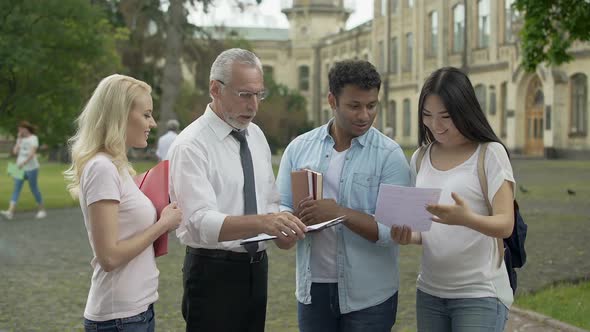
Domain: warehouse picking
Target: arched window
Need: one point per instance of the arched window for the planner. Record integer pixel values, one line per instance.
(304, 78)
(407, 118)
(392, 118)
(480, 94)
(483, 23)
(458, 28)
(579, 104)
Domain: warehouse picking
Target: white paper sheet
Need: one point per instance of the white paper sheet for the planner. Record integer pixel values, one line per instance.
(312, 228)
(397, 205)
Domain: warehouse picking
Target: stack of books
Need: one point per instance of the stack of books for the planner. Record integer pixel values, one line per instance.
(305, 183)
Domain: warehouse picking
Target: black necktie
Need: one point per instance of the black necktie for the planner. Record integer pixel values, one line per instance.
(249, 185)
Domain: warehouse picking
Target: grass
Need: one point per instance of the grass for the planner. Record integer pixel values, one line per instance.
(46, 264)
(51, 184)
(569, 303)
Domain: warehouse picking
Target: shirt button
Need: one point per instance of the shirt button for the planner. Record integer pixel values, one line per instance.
(341, 180)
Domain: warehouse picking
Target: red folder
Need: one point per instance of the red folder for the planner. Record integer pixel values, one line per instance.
(154, 184)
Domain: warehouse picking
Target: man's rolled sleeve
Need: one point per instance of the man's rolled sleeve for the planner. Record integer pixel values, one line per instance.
(210, 226)
(396, 171)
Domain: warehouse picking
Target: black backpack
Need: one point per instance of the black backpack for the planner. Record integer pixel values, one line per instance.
(514, 251)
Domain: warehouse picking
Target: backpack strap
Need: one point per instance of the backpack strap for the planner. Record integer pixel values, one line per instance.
(483, 182)
(481, 173)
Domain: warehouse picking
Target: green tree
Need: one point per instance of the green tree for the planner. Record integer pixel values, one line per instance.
(52, 54)
(550, 28)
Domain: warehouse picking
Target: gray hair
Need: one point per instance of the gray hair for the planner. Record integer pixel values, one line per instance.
(172, 125)
(222, 66)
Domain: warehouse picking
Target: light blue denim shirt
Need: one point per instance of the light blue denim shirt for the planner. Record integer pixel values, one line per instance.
(368, 272)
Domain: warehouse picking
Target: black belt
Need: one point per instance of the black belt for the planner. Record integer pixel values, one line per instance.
(227, 254)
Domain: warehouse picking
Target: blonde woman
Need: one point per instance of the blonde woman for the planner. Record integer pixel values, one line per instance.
(119, 218)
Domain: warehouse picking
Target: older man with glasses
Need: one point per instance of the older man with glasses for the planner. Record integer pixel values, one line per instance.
(222, 178)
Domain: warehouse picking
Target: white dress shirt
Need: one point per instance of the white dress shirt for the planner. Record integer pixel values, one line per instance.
(207, 181)
(164, 144)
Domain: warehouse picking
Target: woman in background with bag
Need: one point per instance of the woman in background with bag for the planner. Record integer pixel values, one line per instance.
(119, 218)
(26, 160)
(463, 283)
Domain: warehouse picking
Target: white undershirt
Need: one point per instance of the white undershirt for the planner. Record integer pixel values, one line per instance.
(324, 243)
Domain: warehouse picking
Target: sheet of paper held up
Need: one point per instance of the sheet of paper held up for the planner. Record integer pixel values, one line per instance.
(397, 205)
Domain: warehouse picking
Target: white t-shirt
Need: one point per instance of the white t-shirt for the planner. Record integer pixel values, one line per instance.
(458, 262)
(26, 146)
(131, 288)
(324, 244)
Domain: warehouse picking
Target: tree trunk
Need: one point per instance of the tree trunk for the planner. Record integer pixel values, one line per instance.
(172, 76)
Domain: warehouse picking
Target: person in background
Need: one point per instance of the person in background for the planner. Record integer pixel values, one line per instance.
(25, 148)
(463, 284)
(221, 175)
(347, 275)
(166, 140)
(119, 218)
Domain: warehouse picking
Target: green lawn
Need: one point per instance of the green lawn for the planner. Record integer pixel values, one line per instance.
(569, 303)
(51, 184)
(556, 245)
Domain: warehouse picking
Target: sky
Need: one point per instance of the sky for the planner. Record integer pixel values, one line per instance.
(267, 14)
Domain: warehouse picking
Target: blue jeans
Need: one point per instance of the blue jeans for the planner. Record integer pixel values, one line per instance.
(323, 314)
(460, 315)
(30, 176)
(144, 322)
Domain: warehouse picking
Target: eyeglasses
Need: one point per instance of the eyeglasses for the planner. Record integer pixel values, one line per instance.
(247, 95)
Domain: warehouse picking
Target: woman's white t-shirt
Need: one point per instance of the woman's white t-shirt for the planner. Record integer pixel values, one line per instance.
(458, 262)
(131, 288)
(26, 146)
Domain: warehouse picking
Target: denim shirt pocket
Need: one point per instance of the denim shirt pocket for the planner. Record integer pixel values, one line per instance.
(363, 196)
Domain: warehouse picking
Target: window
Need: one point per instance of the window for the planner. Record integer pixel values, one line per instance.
(268, 71)
(304, 78)
(393, 5)
(458, 28)
(480, 94)
(483, 23)
(510, 15)
(492, 108)
(392, 118)
(433, 33)
(383, 7)
(327, 115)
(407, 118)
(409, 51)
(410, 3)
(579, 104)
(394, 55)
(503, 108)
(381, 55)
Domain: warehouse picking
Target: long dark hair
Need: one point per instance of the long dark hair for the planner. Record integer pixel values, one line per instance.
(458, 96)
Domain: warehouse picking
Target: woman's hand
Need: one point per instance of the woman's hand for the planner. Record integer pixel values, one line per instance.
(172, 216)
(458, 214)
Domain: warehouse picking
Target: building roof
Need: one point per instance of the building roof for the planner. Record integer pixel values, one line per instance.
(248, 33)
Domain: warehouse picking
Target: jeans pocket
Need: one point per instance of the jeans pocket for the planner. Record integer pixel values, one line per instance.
(140, 318)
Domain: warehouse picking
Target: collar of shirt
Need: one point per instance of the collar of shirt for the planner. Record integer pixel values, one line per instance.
(221, 128)
(362, 140)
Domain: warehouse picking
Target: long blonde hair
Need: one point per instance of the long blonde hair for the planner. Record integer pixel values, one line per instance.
(102, 126)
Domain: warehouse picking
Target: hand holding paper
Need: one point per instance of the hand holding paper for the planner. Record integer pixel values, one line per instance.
(397, 205)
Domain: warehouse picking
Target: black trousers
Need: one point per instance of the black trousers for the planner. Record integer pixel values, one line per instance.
(224, 291)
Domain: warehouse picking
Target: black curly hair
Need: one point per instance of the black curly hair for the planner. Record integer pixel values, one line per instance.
(356, 72)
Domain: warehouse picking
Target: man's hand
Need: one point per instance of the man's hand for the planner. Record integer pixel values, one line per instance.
(285, 226)
(316, 211)
(401, 234)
